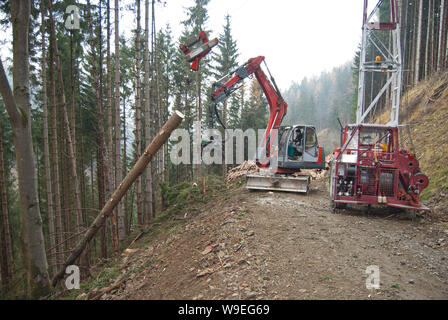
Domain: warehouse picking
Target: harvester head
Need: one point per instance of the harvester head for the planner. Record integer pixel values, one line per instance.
(196, 48)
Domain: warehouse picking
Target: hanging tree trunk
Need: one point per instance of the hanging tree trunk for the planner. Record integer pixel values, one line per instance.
(198, 167)
(224, 119)
(19, 110)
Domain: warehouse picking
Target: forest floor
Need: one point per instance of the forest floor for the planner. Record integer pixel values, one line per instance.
(264, 245)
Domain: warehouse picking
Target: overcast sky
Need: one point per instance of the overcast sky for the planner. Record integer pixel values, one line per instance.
(298, 37)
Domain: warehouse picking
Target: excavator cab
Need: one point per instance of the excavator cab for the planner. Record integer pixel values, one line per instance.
(299, 148)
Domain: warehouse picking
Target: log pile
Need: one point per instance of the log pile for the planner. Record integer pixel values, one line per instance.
(247, 167)
(314, 174)
(318, 174)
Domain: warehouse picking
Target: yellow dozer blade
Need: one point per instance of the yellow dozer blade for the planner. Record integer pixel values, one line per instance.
(278, 182)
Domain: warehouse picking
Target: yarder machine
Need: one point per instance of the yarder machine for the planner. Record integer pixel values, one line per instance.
(369, 167)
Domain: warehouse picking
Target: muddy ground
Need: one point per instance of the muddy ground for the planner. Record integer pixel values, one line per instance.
(264, 245)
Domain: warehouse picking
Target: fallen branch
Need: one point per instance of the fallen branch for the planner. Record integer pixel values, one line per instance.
(109, 289)
(136, 238)
(163, 135)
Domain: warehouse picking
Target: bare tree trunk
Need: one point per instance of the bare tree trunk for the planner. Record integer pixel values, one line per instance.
(109, 143)
(165, 150)
(419, 40)
(49, 192)
(428, 42)
(442, 36)
(413, 42)
(72, 96)
(155, 174)
(101, 152)
(6, 257)
(19, 110)
(138, 111)
(404, 27)
(70, 188)
(167, 164)
(118, 168)
(131, 212)
(434, 36)
(155, 65)
(77, 202)
(66, 206)
(54, 159)
(153, 103)
(163, 135)
(92, 199)
(126, 202)
(148, 184)
(99, 115)
(86, 212)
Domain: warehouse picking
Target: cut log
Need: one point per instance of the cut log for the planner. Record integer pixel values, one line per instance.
(163, 135)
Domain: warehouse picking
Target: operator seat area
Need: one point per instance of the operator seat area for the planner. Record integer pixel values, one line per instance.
(296, 143)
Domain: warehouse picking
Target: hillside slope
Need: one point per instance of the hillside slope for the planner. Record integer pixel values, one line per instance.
(264, 245)
(425, 110)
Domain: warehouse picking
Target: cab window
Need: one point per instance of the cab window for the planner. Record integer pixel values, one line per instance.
(311, 140)
(373, 135)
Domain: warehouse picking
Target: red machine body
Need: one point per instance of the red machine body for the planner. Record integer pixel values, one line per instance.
(194, 52)
(314, 158)
(369, 168)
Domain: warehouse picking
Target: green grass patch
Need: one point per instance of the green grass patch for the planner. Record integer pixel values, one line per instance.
(395, 285)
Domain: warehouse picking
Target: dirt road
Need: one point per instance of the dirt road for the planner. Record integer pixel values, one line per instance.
(259, 245)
